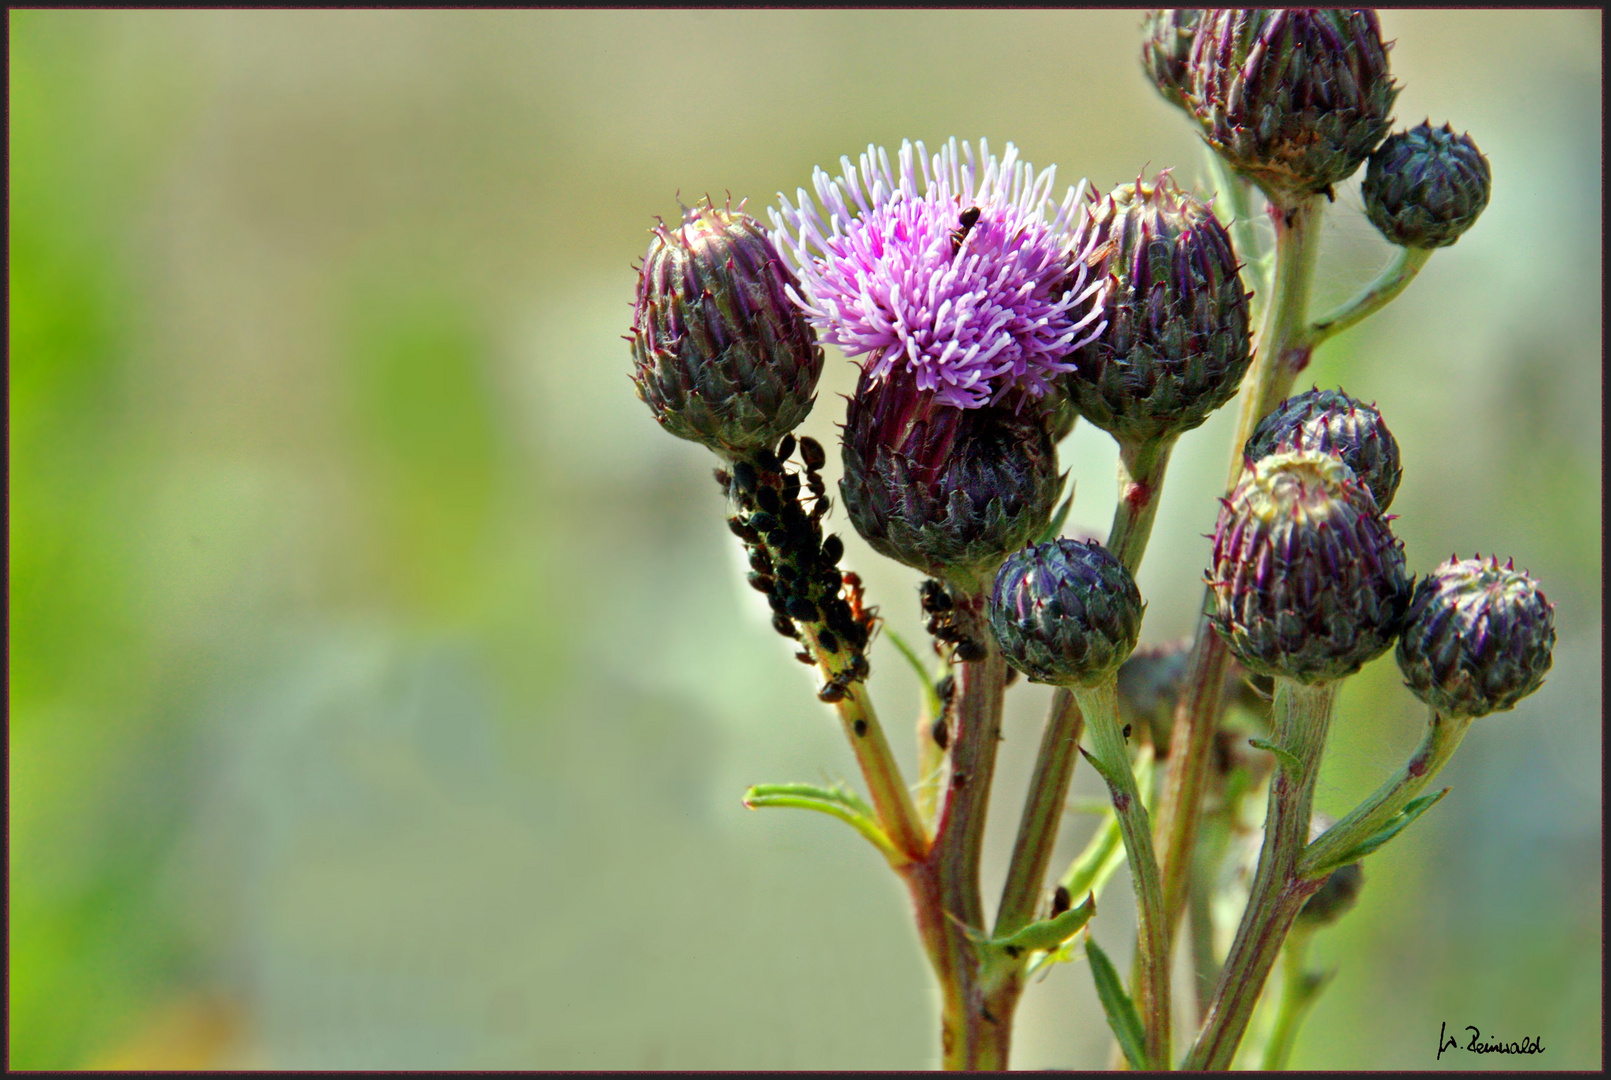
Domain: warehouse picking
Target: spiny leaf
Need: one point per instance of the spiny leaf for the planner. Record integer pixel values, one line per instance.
(1122, 1015)
(844, 805)
(1395, 825)
(1291, 765)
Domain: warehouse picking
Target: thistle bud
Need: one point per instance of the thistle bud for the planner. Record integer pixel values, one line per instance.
(1167, 48)
(1477, 638)
(1425, 187)
(1177, 342)
(1293, 98)
(1065, 612)
(721, 355)
(948, 491)
(1308, 580)
(1333, 423)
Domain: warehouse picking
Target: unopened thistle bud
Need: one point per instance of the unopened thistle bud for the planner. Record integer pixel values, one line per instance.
(1293, 98)
(948, 491)
(1334, 423)
(1426, 186)
(1065, 612)
(1477, 639)
(1308, 580)
(1167, 48)
(721, 355)
(1177, 341)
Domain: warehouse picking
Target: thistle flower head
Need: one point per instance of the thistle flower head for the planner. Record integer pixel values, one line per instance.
(1293, 98)
(1478, 637)
(720, 353)
(1167, 48)
(1334, 423)
(963, 277)
(945, 490)
(1065, 612)
(1176, 342)
(1426, 186)
(1308, 580)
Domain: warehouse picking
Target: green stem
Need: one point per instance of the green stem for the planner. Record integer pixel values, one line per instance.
(1200, 912)
(891, 799)
(1375, 296)
(1238, 194)
(1278, 357)
(1299, 989)
(1302, 715)
(1112, 759)
(1043, 814)
(1442, 738)
(1141, 475)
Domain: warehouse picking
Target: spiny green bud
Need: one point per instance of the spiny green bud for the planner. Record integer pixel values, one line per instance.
(1334, 423)
(1167, 48)
(1425, 187)
(1477, 639)
(1293, 98)
(721, 355)
(1065, 612)
(1308, 580)
(1177, 342)
(948, 491)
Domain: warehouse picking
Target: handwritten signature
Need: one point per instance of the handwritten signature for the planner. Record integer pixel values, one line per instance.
(1478, 1046)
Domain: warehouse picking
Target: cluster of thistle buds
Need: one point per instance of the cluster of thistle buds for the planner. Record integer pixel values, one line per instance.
(987, 316)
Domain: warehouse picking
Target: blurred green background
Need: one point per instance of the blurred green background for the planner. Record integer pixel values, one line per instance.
(383, 680)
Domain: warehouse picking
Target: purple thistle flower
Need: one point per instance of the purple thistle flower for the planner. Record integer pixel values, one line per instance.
(973, 287)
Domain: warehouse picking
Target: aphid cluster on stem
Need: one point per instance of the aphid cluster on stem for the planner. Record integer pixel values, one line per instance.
(794, 565)
(942, 624)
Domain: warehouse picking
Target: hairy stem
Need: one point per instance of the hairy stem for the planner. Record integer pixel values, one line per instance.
(1442, 738)
(1301, 717)
(1407, 262)
(1141, 474)
(1299, 988)
(1043, 814)
(1112, 760)
(890, 798)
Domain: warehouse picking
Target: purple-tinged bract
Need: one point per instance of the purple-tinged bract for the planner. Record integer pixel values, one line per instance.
(1167, 48)
(1426, 186)
(1308, 580)
(962, 278)
(1334, 423)
(1065, 612)
(720, 353)
(1478, 637)
(1293, 98)
(945, 490)
(1176, 344)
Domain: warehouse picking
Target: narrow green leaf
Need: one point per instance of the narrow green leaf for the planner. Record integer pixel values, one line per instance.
(1397, 824)
(1054, 528)
(841, 804)
(1290, 764)
(930, 696)
(1122, 1015)
(1048, 934)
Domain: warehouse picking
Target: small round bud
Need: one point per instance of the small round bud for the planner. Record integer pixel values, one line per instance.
(945, 490)
(721, 355)
(1308, 580)
(1293, 98)
(1065, 612)
(1333, 423)
(1425, 187)
(1167, 48)
(1177, 340)
(1477, 639)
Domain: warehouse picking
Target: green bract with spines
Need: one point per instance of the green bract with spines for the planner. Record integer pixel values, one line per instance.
(1295, 99)
(1308, 580)
(1426, 186)
(1177, 339)
(1065, 612)
(1477, 639)
(1334, 423)
(721, 355)
(1167, 49)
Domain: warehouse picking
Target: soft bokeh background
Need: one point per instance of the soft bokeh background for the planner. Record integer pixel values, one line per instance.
(383, 681)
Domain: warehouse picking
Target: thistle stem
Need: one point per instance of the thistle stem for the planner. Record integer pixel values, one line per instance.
(1043, 814)
(1238, 195)
(1299, 989)
(1278, 357)
(1375, 296)
(1301, 717)
(1141, 475)
(1442, 738)
(1112, 760)
(886, 785)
